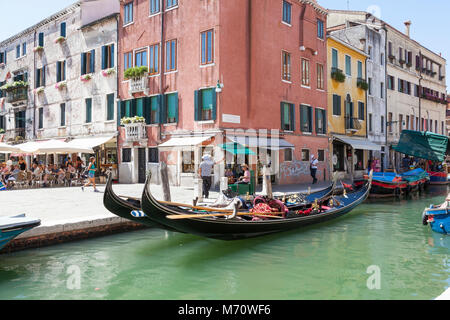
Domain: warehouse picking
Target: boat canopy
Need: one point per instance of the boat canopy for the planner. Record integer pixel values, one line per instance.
(425, 145)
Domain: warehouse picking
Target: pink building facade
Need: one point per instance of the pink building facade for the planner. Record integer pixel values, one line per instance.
(220, 74)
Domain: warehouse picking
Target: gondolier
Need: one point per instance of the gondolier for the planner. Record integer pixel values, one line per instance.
(313, 168)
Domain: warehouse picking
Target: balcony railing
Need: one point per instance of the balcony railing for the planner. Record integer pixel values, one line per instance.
(135, 132)
(337, 74)
(15, 135)
(17, 95)
(140, 84)
(352, 124)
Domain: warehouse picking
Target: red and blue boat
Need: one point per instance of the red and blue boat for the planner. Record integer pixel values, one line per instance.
(438, 216)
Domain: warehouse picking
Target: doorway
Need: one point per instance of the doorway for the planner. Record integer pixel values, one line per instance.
(141, 165)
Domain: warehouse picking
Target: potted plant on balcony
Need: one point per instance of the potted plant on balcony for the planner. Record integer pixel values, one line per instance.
(132, 120)
(38, 49)
(86, 77)
(337, 75)
(135, 72)
(39, 90)
(362, 84)
(108, 72)
(2, 131)
(60, 39)
(14, 85)
(61, 85)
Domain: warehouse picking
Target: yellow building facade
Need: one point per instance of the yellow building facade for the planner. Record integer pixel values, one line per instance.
(347, 108)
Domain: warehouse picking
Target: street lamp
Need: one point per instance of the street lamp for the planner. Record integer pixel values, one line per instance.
(219, 86)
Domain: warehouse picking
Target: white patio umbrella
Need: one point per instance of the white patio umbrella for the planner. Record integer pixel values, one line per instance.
(6, 148)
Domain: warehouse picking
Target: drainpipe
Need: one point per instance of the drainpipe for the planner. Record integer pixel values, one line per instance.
(386, 95)
(420, 88)
(118, 93)
(34, 94)
(161, 72)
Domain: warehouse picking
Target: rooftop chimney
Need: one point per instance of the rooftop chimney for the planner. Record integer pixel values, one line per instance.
(408, 28)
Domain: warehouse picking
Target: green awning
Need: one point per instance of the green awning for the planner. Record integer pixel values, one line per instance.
(236, 148)
(424, 145)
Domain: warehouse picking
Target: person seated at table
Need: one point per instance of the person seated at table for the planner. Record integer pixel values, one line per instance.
(22, 164)
(245, 179)
(12, 176)
(71, 169)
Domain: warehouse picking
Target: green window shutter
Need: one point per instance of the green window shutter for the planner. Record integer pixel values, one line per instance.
(310, 119)
(119, 112)
(162, 109)
(83, 63)
(128, 108)
(110, 107)
(214, 99)
(197, 105)
(41, 39)
(303, 118)
(92, 62)
(282, 115)
(88, 110)
(317, 117)
(104, 48)
(38, 78)
(133, 111)
(58, 71)
(43, 76)
(177, 111)
(155, 109)
(334, 58)
(292, 107)
(325, 121)
(112, 55)
(140, 107)
(147, 110)
(63, 29)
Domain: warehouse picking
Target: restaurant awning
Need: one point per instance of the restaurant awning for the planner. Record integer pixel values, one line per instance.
(358, 144)
(51, 146)
(236, 148)
(183, 142)
(262, 142)
(6, 148)
(90, 143)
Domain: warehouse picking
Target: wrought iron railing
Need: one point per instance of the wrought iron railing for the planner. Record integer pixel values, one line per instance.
(352, 123)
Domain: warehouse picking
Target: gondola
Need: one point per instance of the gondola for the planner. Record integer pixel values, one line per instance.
(129, 208)
(240, 226)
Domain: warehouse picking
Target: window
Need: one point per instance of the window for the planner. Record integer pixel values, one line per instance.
(361, 110)
(205, 104)
(172, 108)
(127, 61)
(370, 123)
(320, 77)
(188, 161)
(154, 59)
(2, 122)
(305, 155)
(40, 77)
(390, 49)
(41, 39)
(382, 124)
(359, 163)
(334, 58)
(321, 155)
(88, 62)
(287, 9)
(390, 121)
(306, 118)
(207, 47)
(382, 90)
(107, 56)
(171, 55)
(3, 57)
(321, 118)
(391, 83)
(60, 71)
(370, 86)
(288, 154)
(126, 155)
(41, 118)
(286, 66)
(336, 105)
(140, 58)
(408, 87)
(154, 108)
(407, 122)
(400, 86)
(382, 59)
(153, 155)
(62, 31)
(171, 3)
(360, 69)
(400, 123)
(88, 102)
(128, 13)
(320, 33)
(348, 65)
(110, 107)
(24, 48)
(305, 72)
(287, 116)
(370, 52)
(18, 51)
(154, 6)
(400, 54)
(62, 109)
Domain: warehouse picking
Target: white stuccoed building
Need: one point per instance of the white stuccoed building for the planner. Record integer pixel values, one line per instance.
(68, 65)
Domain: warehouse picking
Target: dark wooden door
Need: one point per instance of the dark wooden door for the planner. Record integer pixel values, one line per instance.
(141, 165)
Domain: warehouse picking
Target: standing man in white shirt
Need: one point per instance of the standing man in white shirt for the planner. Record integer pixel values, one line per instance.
(313, 168)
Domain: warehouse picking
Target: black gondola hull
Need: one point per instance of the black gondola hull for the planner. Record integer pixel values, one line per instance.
(234, 229)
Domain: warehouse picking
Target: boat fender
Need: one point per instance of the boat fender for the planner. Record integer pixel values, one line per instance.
(443, 228)
(424, 218)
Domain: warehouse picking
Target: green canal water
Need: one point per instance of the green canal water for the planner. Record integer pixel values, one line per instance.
(380, 250)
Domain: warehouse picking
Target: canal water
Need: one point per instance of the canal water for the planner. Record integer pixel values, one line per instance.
(380, 250)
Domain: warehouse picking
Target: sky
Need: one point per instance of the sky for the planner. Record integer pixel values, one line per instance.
(430, 19)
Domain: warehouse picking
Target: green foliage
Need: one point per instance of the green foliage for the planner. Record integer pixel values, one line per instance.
(338, 75)
(130, 120)
(14, 85)
(135, 72)
(362, 84)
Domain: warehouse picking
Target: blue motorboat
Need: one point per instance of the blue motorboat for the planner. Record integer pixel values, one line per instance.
(12, 227)
(438, 216)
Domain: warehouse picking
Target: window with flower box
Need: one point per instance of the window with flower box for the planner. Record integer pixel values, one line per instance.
(60, 71)
(88, 62)
(108, 56)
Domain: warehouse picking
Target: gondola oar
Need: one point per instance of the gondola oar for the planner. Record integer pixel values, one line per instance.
(190, 216)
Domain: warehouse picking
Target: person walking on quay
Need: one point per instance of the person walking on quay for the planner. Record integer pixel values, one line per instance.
(91, 174)
(205, 171)
(313, 167)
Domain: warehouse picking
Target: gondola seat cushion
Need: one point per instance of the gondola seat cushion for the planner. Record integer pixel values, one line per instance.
(244, 188)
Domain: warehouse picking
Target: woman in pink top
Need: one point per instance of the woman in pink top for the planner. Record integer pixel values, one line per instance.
(246, 177)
